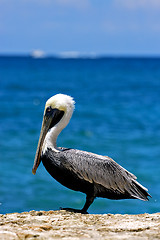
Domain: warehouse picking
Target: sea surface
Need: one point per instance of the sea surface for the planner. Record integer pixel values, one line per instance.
(117, 114)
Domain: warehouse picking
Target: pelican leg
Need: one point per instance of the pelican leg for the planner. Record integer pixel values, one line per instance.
(89, 201)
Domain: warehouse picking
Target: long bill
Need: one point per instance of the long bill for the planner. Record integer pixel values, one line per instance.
(45, 127)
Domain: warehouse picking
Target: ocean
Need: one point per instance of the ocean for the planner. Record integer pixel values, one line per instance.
(117, 114)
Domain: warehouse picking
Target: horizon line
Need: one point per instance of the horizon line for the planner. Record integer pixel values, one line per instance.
(67, 55)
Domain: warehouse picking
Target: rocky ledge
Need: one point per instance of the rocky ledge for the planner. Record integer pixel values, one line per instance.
(66, 225)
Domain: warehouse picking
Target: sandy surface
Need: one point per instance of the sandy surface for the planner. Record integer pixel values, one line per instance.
(66, 225)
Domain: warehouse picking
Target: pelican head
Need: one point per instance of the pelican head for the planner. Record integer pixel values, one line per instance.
(57, 113)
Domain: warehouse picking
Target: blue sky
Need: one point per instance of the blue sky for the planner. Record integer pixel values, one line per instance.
(118, 27)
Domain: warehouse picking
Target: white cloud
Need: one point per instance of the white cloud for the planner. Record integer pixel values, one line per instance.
(138, 4)
(80, 4)
(77, 4)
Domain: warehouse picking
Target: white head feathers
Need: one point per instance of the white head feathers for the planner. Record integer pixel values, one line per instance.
(62, 102)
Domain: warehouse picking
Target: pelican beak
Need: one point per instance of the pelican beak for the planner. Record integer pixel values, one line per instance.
(46, 125)
(50, 119)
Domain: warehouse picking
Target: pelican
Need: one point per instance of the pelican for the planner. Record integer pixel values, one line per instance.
(90, 173)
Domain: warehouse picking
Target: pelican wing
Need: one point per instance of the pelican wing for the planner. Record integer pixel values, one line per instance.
(102, 170)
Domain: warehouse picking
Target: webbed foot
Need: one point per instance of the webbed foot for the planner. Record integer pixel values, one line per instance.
(74, 210)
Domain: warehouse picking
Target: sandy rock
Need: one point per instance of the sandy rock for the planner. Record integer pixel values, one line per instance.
(65, 225)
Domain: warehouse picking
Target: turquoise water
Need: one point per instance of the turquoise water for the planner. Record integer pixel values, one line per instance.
(117, 114)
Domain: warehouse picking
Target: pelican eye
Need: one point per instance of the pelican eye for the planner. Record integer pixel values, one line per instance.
(49, 109)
